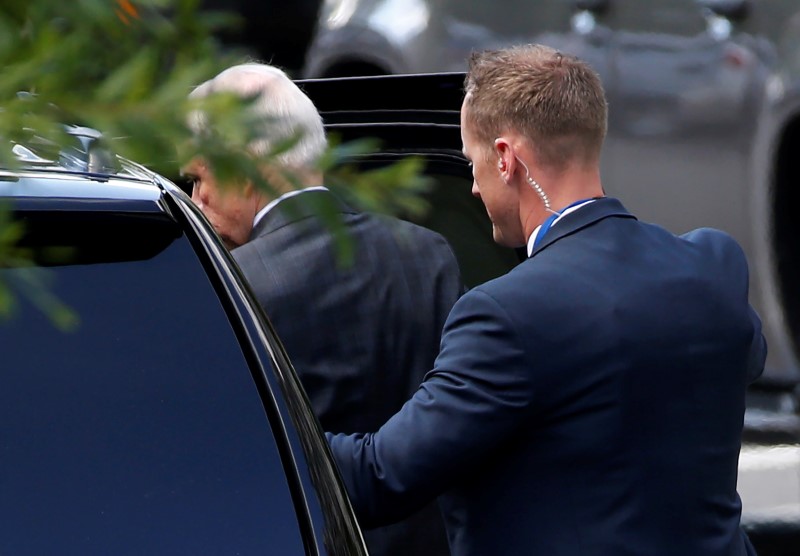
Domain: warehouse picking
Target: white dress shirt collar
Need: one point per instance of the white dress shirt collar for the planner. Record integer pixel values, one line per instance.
(260, 214)
(532, 238)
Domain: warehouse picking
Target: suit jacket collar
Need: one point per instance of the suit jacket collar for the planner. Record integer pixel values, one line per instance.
(301, 206)
(585, 216)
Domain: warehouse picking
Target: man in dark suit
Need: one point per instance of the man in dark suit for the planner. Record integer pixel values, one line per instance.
(590, 402)
(361, 334)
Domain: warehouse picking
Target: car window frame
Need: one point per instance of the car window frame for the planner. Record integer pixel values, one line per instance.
(325, 516)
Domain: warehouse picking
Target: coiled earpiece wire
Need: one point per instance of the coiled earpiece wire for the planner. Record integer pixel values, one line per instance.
(536, 187)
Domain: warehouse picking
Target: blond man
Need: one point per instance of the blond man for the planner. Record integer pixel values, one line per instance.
(589, 402)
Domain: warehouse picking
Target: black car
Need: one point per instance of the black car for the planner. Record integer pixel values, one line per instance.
(168, 420)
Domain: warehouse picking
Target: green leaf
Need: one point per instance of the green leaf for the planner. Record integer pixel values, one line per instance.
(6, 300)
(129, 80)
(126, 69)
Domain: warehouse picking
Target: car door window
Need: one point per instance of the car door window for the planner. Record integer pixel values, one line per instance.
(141, 431)
(462, 220)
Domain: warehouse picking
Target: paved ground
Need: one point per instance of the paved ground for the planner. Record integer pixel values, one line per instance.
(769, 482)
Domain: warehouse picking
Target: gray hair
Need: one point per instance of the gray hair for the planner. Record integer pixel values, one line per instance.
(287, 111)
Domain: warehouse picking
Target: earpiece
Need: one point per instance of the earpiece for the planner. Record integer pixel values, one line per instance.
(538, 188)
(501, 164)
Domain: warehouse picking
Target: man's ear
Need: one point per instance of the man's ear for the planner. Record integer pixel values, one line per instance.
(248, 189)
(506, 161)
(254, 195)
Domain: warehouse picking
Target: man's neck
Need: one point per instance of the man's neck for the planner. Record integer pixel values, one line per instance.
(562, 190)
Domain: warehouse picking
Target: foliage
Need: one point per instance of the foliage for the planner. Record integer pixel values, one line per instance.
(125, 67)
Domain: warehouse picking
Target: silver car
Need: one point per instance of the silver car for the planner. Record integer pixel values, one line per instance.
(704, 103)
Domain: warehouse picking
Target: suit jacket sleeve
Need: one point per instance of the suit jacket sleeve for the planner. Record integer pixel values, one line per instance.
(734, 264)
(474, 399)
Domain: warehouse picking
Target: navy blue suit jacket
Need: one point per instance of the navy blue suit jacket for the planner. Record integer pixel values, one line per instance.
(361, 336)
(588, 403)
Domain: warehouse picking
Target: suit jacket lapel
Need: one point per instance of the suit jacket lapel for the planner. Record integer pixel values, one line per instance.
(581, 218)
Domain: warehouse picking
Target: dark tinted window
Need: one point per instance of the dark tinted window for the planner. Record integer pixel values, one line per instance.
(462, 220)
(141, 432)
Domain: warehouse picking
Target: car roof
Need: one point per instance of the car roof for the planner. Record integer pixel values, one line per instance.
(83, 170)
(59, 184)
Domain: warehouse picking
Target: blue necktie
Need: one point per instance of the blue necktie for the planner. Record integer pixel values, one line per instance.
(544, 228)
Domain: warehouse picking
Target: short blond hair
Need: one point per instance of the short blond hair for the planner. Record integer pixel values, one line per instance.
(556, 101)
